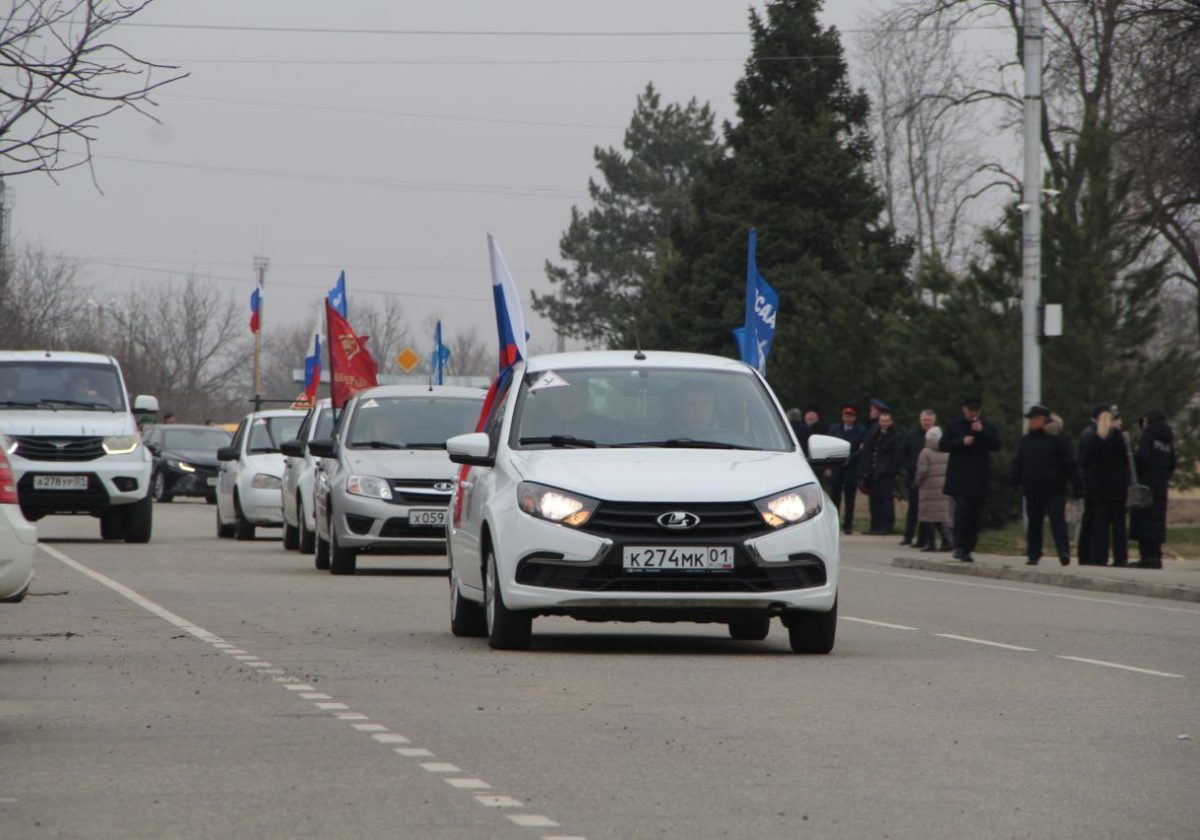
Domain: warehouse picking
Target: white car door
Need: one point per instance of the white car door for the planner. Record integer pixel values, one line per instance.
(472, 496)
(227, 476)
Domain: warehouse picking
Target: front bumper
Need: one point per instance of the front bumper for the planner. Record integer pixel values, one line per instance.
(111, 480)
(382, 526)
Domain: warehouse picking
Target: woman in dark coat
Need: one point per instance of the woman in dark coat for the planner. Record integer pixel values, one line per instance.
(1156, 461)
(1104, 461)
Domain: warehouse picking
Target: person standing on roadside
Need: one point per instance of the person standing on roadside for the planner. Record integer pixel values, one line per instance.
(1104, 460)
(928, 479)
(880, 463)
(1041, 468)
(970, 440)
(1156, 461)
(876, 409)
(912, 444)
(843, 481)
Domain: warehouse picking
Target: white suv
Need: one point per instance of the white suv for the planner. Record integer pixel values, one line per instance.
(72, 441)
(642, 487)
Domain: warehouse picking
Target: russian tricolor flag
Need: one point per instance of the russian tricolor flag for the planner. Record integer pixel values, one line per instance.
(312, 365)
(255, 309)
(510, 322)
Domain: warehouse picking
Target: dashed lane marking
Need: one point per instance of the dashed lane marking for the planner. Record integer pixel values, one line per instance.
(1123, 667)
(984, 642)
(279, 675)
(877, 623)
(439, 767)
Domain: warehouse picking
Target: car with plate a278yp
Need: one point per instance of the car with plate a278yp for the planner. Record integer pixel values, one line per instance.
(630, 486)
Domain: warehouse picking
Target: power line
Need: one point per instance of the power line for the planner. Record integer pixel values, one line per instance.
(150, 261)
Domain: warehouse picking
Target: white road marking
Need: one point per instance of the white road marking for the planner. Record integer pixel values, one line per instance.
(439, 767)
(468, 784)
(1123, 667)
(414, 752)
(985, 642)
(498, 801)
(329, 707)
(351, 716)
(236, 652)
(876, 623)
(315, 695)
(298, 687)
(273, 670)
(370, 727)
(562, 837)
(224, 646)
(390, 738)
(259, 664)
(533, 821)
(247, 657)
(1025, 591)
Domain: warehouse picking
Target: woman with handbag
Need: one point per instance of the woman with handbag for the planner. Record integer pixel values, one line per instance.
(1105, 463)
(1155, 462)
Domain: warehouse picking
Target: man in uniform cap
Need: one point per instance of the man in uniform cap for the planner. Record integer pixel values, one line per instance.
(844, 479)
(970, 440)
(1041, 468)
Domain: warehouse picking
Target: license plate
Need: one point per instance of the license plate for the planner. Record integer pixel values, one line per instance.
(60, 482)
(435, 516)
(678, 558)
(212, 482)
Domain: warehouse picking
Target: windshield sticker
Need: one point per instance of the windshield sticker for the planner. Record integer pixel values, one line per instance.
(370, 404)
(261, 421)
(549, 379)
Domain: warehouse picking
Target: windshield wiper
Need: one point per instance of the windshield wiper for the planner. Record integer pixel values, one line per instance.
(684, 443)
(376, 444)
(20, 403)
(560, 440)
(80, 404)
(425, 445)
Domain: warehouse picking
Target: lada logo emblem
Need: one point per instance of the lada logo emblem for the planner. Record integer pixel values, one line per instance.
(444, 486)
(679, 520)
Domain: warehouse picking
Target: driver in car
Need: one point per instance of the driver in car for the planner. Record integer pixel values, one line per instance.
(696, 410)
(563, 411)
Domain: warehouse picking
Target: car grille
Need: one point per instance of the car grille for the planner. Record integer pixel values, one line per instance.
(419, 491)
(59, 448)
(639, 520)
(803, 572)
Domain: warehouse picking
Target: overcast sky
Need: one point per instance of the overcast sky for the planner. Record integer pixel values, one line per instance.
(386, 154)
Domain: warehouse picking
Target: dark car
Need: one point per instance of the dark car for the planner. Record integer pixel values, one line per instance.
(185, 460)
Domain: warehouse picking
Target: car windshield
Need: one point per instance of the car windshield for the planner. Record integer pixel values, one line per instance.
(60, 386)
(647, 407)
(198, 440)
(266, 433)
(411, 422)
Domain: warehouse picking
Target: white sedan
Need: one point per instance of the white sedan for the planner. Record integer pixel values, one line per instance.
(642, 487)
(18, 540)
(250, 478)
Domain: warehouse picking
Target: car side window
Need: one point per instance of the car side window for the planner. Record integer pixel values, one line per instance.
(496, 420)
(238, 435)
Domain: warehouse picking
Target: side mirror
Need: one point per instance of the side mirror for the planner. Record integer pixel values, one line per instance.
(292, 448)
(228, 453)
(144, 404)
(472, 449)
(322, 447)
(827, 451)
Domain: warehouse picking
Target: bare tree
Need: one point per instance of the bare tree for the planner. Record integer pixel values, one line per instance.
(43, 300)
(60, 75)
(387, 329)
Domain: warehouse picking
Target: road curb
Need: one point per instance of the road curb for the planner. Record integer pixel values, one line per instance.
(1124, 586)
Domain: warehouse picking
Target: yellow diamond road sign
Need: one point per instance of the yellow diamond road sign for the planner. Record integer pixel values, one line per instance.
(407, 359)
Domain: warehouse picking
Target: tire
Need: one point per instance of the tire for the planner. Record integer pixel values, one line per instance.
(112, 524)
(158, 488)
(320, 552)
(211, 497)
(139, 520)
(506, 629)
(224, 531)
(751, 629)
(307, 538)
(467, 618)
(291, 537)
(242, 529)
(811, 632)
(342, 560)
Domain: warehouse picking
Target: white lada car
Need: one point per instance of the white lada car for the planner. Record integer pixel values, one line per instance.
(642, 487)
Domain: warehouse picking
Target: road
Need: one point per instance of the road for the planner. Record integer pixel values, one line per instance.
(196, 687)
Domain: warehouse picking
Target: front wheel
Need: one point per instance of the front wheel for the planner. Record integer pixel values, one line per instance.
(812, 632)
(342, 560)
(139, 521)
(112, 524)
(751, 629)
(307, 538)
(507, 629)
(291, 537)
(223, 531)
(243, 529)
(159, 488)
(466, 617)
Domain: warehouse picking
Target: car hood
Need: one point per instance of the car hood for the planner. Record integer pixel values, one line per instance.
(199, 457)
(665, 475)
(399, 463)
(67, 423)
(270, 463)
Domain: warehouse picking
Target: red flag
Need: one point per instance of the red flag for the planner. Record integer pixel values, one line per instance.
(351, 366)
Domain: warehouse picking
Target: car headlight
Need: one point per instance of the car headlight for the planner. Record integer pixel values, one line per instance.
(121, 444)
(799, 504)
(9, 445)
(369, 486)
(554, 505)
(262, 481)
(182, 465)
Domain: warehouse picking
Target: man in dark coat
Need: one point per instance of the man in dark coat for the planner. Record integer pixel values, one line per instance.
(877, 407)
(911, 444)
(843, 482)
(878, 468)
(1104, 459)
(1156, 461)
(1041, 468)
(970, 440)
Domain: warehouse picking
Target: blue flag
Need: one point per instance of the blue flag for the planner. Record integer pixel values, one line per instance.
(440, 357)
(337, 295)
(762, 304)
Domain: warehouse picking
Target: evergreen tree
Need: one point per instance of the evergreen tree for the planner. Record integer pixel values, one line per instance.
(623, 239)
(797, 171)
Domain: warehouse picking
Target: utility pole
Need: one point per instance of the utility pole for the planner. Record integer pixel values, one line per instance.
(1031, 232)
(260, 268)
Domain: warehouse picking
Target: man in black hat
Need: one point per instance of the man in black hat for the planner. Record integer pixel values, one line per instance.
(843, 482)
(1042, 466)
(970, 440)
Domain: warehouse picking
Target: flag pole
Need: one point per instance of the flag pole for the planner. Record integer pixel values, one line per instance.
(260, 267)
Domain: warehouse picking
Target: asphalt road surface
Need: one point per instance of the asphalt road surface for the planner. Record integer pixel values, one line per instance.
(196, 687)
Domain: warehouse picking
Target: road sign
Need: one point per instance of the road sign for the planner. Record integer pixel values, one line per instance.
(301, 402)
(407, 359)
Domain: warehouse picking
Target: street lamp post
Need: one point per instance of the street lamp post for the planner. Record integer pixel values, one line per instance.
(1031, 230)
